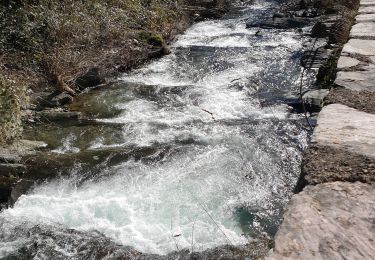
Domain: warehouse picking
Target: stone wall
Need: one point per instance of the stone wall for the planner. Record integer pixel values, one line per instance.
(333, 215)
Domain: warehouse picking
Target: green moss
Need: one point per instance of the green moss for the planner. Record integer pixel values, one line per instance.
(151, 38)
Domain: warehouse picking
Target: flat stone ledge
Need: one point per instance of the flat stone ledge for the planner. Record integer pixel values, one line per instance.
(361, 47)
(356, 80)
(14, 152)
(347, 62)
(366, 9)
(367, 2)
(346, 128)
(365, 18)
(328, 221)
(363, 30)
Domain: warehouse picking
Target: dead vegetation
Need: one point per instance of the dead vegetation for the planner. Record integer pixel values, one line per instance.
(45, 45)
(53, 41)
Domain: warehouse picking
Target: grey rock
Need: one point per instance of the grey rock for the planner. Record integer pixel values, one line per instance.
(6, 184)
(357, 80)
(328, 221)
(346, 128)
(55, 99)
(363, 30)
(362, 47)
(89, 79)
(57, 116)
(315, 97)
(22, 187)
(8, 156)
(367, 2)
(12, 169)
(278, 15)
(14, 152)
(280, 23)
(366, 9)
(347, 62)
(365, 18)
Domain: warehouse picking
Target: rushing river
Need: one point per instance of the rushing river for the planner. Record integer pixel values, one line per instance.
(221, 149)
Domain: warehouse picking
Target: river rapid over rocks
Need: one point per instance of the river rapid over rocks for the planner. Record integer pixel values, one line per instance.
(192, 151)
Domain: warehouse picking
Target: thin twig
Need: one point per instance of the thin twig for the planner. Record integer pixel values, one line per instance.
(213, 220)
(174, 240)
(303, 101)
(192, 237)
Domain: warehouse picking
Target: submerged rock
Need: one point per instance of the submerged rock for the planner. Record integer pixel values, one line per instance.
(208, 9)
(57, 116)
(89, 79)
(20, 188)
(12, 169)
(328, 221)
(43, 100)
(314, 98)
(280, 23)
(6, 184)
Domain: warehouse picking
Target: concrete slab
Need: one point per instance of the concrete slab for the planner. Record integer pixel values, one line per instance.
(328, 221)
(362, 47)
(346, 128)
(363, 30)
(347, 62)
(365, 18)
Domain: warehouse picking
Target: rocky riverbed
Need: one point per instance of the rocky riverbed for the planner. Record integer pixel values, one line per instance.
(200, 149)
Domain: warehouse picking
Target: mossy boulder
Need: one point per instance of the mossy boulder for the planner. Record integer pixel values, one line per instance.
(151, 38)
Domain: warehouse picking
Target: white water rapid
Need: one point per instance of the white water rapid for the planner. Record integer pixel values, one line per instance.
(226, 149)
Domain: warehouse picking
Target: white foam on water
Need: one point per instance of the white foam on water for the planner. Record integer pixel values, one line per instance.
(67, 145)
(145, 206)
(193, 193)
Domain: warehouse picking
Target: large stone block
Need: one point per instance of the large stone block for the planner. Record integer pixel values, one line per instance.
(364, 9)
(356, 80)
(346, 128)
(328, 221)
(365, 18)
(363, 30)
(362, 47)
